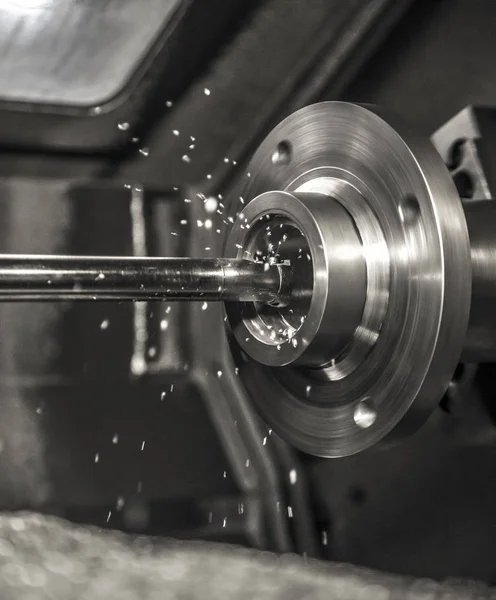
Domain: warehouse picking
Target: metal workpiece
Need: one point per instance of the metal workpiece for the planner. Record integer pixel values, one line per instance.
(480, 342)
(466, 144)
(316, 236)
(397, 262)
(131, 278)
(347, 277)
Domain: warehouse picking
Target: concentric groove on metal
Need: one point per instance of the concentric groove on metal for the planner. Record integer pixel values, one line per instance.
(400, 194)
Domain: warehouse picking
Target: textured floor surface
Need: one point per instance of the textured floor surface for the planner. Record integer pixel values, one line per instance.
(44, 558)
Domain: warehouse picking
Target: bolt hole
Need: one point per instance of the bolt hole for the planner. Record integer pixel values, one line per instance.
(455, 154)
(464, 184)
(282, 154)
(409, 209)
(365, 414)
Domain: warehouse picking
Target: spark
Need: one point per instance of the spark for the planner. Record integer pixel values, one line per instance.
(211, 205)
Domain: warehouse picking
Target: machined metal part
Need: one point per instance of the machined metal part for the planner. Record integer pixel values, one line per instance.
(397, 361)
(318, 238)
(480, 342)
(135, 278)
(348, 280)
(466, 144)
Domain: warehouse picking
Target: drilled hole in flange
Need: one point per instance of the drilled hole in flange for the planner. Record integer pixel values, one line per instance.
(282, 154)
(365, 414)
(464, 184)
(409, 209)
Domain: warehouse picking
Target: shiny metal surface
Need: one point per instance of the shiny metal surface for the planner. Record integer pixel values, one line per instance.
(480, 343)
(404, 203)
(349, 289)
(328, 279)
(131, 278)
(376, 255)
(75, 53)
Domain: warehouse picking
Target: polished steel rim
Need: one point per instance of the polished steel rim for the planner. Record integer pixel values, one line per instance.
(415, 242)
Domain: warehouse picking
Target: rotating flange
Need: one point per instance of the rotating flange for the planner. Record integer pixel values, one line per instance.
(367, 218)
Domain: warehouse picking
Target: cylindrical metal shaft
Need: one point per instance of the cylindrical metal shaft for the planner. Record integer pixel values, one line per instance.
(24, 277)
(480, 342)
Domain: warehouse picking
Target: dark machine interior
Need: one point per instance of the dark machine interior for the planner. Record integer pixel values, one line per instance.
(113, 114)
